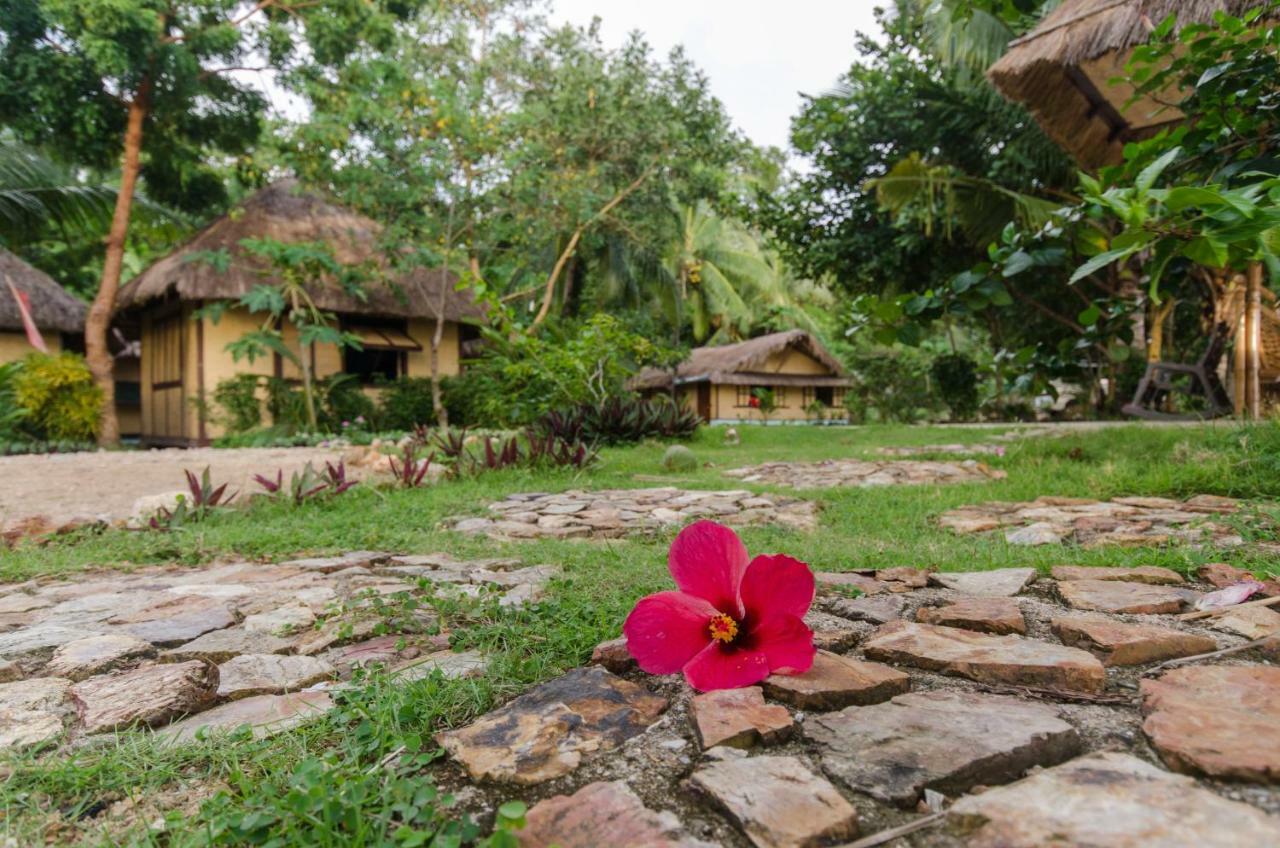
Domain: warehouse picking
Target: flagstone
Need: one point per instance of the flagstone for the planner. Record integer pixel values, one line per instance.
(281, 621)
(1152, 574)
(739, 718)
(9, 671)
(1221, 721)
(95, 654)
(218, 646)
(1249, 622)
(39, 637)
(613, 655)
(877, 609)
(1117, 596)
(865, 585)
(1222, 575)
(1108, 800)
(34, 693)
(546, 732)
(832, 632)
(326, 565)
(148, 695)
(984, 615)
(1012, 660)
(1117, 643)
(269, 674)
(267, 715)
(176, 620)
(865, 474)
(451, 664)
(22, 727)
(600, 815)
(944, 741)
(835, 681)
(777, 802)
(996, 583)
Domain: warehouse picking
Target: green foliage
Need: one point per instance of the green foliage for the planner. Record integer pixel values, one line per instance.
(405, 403)
(203, 500)
(58, 396)
(11, 414)
(679, 458)
(890, 384)
(238, 397)
(764, 401)
(621, 419)
(956, 377)
(523, 377)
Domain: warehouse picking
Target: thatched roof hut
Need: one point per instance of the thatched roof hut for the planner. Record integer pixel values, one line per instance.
(283, 211)
(52, 306)
(1062, 72)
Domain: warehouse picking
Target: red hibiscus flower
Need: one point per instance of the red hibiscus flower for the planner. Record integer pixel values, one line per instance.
(754, 403)
(733, 621)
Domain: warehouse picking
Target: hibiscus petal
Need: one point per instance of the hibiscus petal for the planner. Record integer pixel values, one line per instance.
(718, 667)
(777, 585)
(708, 560)
(786, 641)
(665, 630)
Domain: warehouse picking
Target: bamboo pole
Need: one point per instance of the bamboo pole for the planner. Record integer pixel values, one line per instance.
(1239, 358)
(1253, 332)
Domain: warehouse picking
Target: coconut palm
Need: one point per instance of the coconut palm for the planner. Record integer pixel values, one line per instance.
(36, 192)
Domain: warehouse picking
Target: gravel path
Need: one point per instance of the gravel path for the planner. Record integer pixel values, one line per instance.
(105, 484)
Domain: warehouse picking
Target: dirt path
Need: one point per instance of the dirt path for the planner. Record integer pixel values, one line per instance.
(63, 487)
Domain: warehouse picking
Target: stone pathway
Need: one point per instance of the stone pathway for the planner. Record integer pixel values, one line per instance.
(612, 513)
(977, 449)
(1121, 521)
(832, 473)
(224, 646)
(989, 697)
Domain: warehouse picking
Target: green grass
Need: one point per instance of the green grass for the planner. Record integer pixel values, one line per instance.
(314, 787)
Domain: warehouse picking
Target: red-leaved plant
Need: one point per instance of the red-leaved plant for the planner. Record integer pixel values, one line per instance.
(733, 620)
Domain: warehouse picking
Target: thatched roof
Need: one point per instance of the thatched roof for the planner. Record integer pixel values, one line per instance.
(1061, 71)
(283, 211)
(52, 306)
(743, 364)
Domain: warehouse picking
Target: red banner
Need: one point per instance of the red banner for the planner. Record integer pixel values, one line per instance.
(28, 323)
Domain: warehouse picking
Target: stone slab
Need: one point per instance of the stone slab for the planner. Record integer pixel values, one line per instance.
(777, 802)
(218, 646)
(1117, 596)
(1249, 622)
(1217, 720)
(945, 741)
(269, 674)
(147, 696)
(1150, 574)
(983, 615)
(266, 715)
(1108, 800)
(1011, 660)
(546, 732)
(1117, 643)
(600, 815)
(834, 682)
(739, 718)
(997, 583)
(176, 620)
(877, 609)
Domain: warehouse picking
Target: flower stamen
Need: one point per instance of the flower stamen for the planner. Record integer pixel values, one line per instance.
(723, 628)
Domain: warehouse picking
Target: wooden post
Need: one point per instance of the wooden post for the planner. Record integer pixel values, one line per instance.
(1253, 337)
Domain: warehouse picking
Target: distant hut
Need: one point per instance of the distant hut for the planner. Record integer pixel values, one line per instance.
(1062, 72)
(185, 357)
(719, 382)
(58, 314)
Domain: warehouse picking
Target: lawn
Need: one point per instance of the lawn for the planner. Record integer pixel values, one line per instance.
(321, 785)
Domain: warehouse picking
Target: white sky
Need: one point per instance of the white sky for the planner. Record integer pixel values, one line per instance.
(760, 55)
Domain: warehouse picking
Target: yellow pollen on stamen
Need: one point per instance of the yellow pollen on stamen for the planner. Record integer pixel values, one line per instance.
(723, 628)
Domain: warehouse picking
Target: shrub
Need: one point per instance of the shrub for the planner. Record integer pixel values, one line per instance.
(406, 403)
(620, 420)
(679, 458)
(890, 384)
(338, 398)
(59, 397)
(238, 397)
(11, 414)
(956, 377)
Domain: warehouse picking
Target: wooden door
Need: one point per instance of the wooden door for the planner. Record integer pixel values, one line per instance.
(704, 401)
(164, 355)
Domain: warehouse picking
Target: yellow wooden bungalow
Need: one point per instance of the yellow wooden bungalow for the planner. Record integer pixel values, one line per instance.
(58, 314)
(185, 355)
(719, 382)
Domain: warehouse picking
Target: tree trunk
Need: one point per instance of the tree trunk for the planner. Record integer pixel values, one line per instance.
(437, 397)
(98, 322)
(1253, 338)
(308, 390)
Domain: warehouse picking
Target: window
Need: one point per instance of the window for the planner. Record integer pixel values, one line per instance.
(825, 395)
(779, 396)
(743, 397)
(385, 344)
(373, 365)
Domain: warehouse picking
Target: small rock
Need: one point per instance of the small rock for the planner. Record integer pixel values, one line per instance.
(86, 657)
(777, 802)
(679, 458)
(218, 646)
(614, 656)
(269, 674)
(1039, 533)
(1222, 575)
(1012, 660)
(149, 695)
(832, 633)
(545, 732)
(997, 583)
(739, 718)
(984, 615)
(835, 681)
(1117, 643)
(1119, 597)
(1221, 721)
(944, 741)
(1150, 574)
(878, 609)
(266, 714)
(146, 507)
(1108, 800)
(600, 815)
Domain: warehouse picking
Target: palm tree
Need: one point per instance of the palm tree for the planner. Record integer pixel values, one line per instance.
(36, 193)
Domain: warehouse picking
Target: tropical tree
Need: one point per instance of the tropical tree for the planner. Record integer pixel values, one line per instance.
(150, 86)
